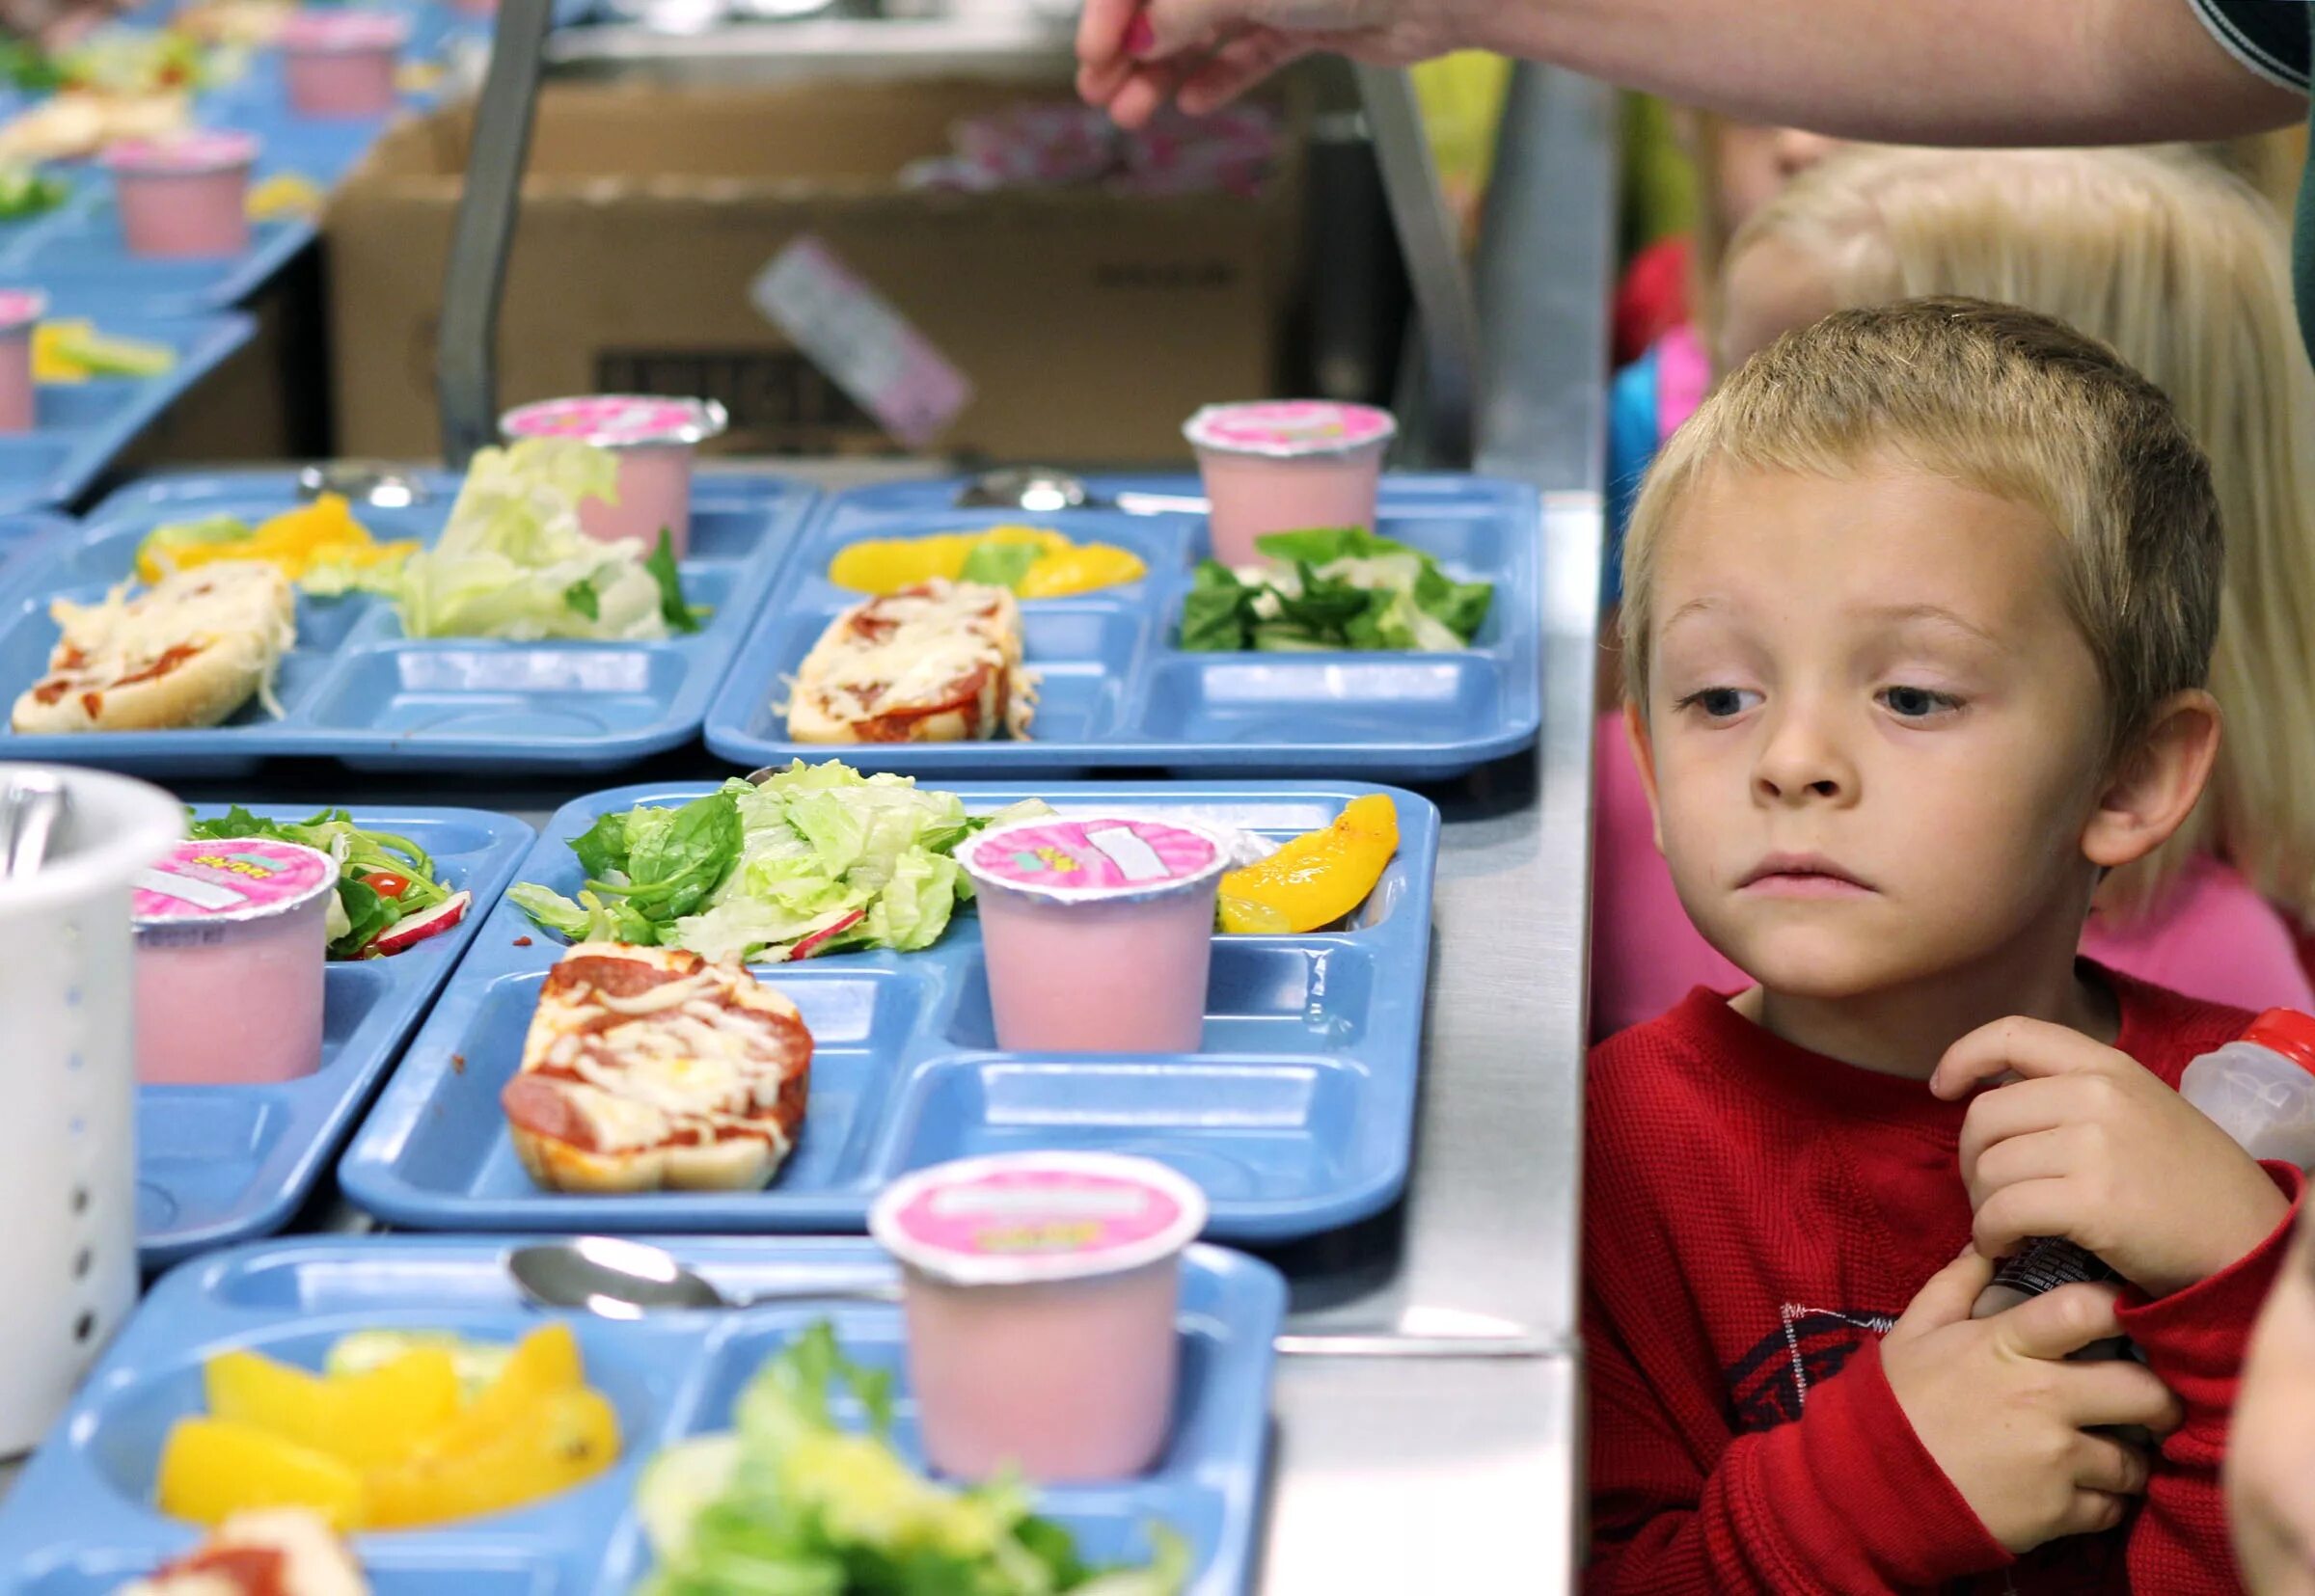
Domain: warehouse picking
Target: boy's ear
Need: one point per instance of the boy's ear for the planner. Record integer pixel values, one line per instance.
(2158, 784)
(1635, 731)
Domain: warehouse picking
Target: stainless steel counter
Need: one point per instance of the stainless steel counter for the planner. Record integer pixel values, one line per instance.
(1428, 1405)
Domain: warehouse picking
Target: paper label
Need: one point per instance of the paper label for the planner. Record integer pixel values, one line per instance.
(1037, 1211)
(1095, 855)
(240, 879)
(866, 347)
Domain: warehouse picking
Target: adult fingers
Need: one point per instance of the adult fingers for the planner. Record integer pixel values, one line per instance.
(1101, 29)
(2103, 1464)
(1143, 95)
(2059, 1323)
(1237, 67)
(2092, 1513)
(1177, 26)
(2029, 1047)
(1947, 1297)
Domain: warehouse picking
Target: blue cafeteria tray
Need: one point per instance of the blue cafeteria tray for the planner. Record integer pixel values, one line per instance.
(1116, 689)
(354, 688)
(1296, 1117)
(81, 428)
(19, 532)
(217, 1164)
(80, 1521)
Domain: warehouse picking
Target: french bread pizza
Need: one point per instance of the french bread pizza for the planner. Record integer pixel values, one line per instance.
(651, 1069)
(936, 663)
(187, 651)
(264, 1552)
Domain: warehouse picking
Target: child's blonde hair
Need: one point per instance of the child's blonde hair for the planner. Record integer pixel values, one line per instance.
(2184, 270)
(2007, 402)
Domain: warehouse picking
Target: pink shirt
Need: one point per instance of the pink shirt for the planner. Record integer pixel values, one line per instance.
(2216, 939)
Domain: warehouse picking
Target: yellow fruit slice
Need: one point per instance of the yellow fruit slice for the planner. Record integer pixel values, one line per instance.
(543, 1363)
(562, 1440)
(1080, 570)
(383, 1416)
(1316, 878)
(212, 1469)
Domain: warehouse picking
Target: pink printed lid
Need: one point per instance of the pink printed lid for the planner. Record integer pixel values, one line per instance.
(1094, 858)
(242, 878)
(1033, 1218)
(198, 151)
(20, 308)
(317, 32)
(1286, 429)
(618, 420)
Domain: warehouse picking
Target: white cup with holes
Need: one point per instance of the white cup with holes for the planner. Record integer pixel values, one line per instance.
(68, 1056)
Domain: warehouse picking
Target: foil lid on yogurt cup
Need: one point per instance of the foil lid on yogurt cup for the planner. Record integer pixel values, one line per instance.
(618, 420)
(1289, 429)
(335, 32)
(191, 154)
(1094, 858)
(229, 881)
(1037, 1218)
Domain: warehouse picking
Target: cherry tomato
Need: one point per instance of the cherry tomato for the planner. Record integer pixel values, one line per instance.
(386, 883)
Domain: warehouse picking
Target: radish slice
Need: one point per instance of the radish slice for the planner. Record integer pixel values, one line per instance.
(408, 934)
(806, 948)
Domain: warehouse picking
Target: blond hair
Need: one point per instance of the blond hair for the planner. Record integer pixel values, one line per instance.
(2002, 399)
(2183, 269)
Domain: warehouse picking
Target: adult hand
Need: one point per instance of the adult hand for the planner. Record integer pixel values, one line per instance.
(2009, 1420)
(1133, 56)
(2088, 1146)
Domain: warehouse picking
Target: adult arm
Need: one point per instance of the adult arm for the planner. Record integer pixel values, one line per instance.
(1921, 71)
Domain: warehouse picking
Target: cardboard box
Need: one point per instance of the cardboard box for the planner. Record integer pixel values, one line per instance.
(1089, 324)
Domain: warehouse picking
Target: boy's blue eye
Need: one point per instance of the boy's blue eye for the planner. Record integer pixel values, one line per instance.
(1719, 703)
(1916, 703)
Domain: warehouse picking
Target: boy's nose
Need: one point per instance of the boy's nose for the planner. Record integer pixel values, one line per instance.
(1800, 762)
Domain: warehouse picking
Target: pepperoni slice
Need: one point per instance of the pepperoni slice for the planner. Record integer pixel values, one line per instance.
(966, 696)
(541, 1104)
(618, 977)
(251, 1570)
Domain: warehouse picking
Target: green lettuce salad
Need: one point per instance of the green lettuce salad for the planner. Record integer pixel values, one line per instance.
(816, 860)
(512, 563)
(1332, 589)
(384, 880)
(791, 1503)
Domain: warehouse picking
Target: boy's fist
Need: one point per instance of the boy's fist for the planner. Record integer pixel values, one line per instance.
(2006, 1417)
(2088, 1146)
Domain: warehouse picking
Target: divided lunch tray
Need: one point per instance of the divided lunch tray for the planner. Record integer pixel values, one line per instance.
(225, 1163)
(356, 689)
(81, 428)
(1116, 689)
(80, 1522)
(1298, 1118)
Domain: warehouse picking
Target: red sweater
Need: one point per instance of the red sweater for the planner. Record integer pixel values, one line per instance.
(1756, 1217)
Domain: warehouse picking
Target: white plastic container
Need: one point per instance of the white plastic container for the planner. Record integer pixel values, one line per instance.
(233, 937)
(1097, 932)
(67, 1142)
(1039, 1291)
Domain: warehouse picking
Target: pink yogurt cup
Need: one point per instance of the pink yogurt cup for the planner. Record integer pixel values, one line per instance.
(1039, 1291)
(654, 438)
(21, 312)
(232, 939)
(1287, 466)
(341, 62)
(184, 196)
(1097, 932)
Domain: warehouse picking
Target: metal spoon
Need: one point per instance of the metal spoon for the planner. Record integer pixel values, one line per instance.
(30, 807)
(616, 1279)
(1041, 490)
(362, 483)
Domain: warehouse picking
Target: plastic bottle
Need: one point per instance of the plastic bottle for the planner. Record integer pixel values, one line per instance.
(2259, 1089)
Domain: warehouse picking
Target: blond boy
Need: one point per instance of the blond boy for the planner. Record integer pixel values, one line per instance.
(1916, 613)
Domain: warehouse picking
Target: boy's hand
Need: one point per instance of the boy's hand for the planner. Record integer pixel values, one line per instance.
(2090, 1146)
(2005, 1417)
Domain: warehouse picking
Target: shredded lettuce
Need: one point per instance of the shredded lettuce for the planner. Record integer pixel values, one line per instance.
(754, 871)
(1332, 589)
(792, 1502)
(513, 564)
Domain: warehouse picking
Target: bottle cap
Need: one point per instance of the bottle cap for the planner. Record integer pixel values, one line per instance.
(2288, 1031)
